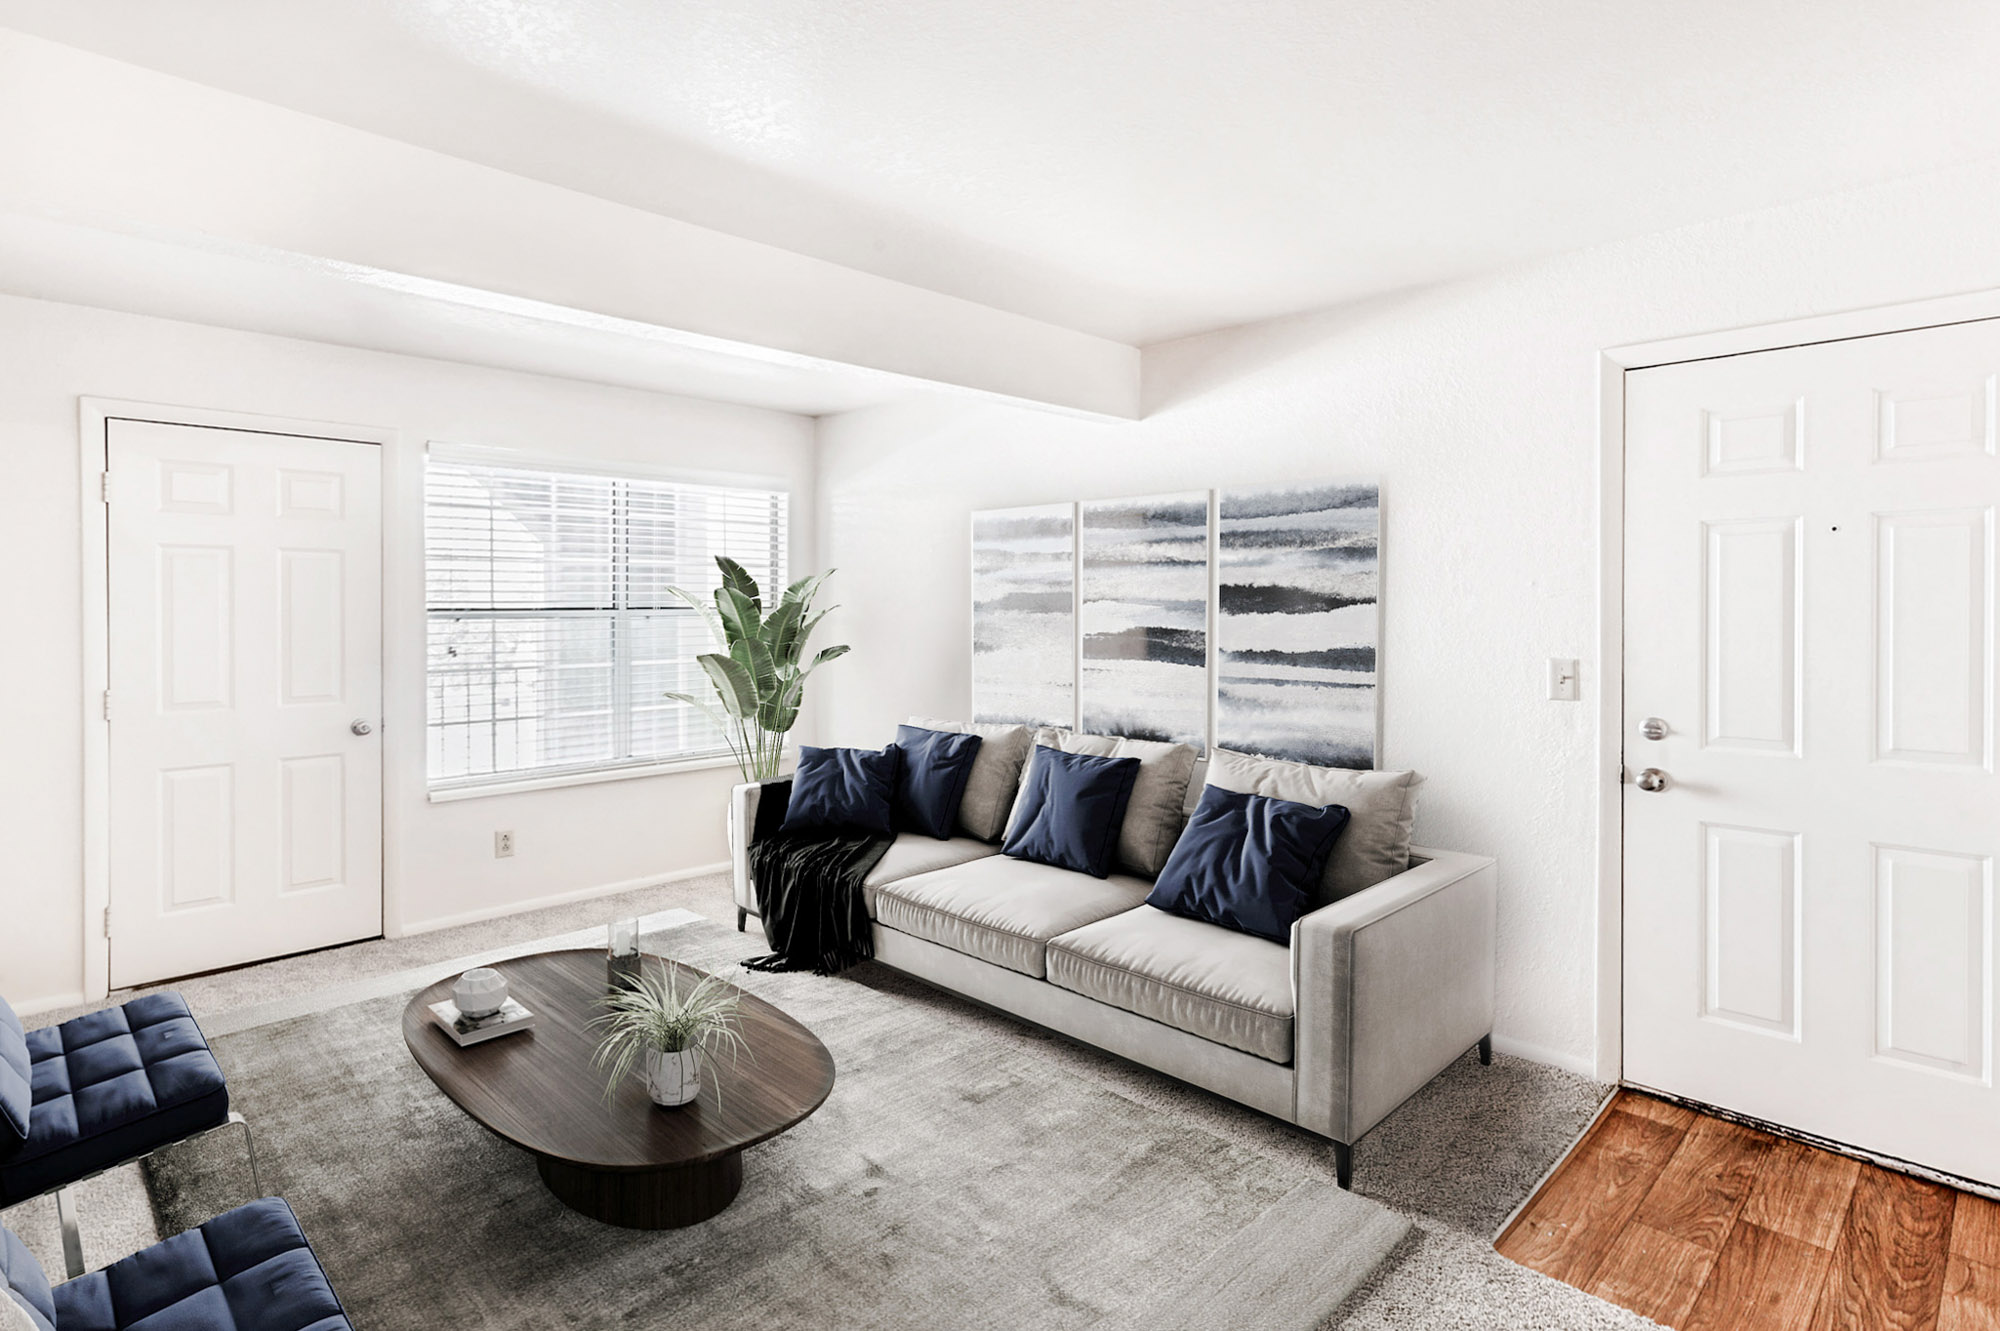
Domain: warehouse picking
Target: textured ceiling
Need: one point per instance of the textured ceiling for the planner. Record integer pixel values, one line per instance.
(1140, 169)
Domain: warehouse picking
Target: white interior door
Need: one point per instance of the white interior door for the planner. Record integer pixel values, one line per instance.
(246, 696)
(1809, 611)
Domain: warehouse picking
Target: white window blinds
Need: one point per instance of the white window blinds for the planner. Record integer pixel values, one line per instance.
(553, 636)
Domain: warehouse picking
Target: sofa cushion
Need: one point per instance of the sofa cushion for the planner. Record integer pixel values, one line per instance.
(1229, 987)
(1247, 862)
(1159, 804)
(111, 1086)
(1003, 910)
(912, 853)
(1071, 808)
(24, 1286)
(16, 1082)
(995, 775)
(248, 1270)
(844, 790)
(931, 786)
(1381, 805)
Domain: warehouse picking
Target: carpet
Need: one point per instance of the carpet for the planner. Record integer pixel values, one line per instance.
(967, 1171)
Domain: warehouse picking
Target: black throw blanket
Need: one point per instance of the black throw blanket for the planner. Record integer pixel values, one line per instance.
(809, 890)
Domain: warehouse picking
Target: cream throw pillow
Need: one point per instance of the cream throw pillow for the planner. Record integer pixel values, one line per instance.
(988, 800)
(1154, 816)
(13, 1317)
(1381, 805)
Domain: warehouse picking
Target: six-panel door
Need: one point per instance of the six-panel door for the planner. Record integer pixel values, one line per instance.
(245, 594)
(1809, 608)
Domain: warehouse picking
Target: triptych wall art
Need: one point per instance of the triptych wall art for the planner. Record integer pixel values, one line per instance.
(1250, 619)
(1024, 614)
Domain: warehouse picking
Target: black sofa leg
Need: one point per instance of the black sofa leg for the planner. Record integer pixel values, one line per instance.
(1343, 1165)
(741, 916)
(1485, 1048)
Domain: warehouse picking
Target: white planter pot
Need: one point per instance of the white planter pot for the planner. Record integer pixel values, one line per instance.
(673, 1078)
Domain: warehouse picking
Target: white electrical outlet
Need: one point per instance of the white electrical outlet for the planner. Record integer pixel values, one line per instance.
(503, 845)
(1563, 685)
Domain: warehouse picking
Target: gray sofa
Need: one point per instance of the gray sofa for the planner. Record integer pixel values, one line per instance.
(1377, 993)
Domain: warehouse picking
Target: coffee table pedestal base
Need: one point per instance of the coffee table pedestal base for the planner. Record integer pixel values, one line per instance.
(667, 1198)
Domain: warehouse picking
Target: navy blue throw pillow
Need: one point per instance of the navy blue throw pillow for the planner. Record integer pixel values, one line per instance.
(1072, 805)
(936, 764)
(1247, 862)
(846, 789)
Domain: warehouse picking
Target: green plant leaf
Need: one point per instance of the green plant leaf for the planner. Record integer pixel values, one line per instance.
(828, 654)
(733, 683)
(781, 632)
(805, 588)
(806, 629)
(737, 579)
(763, 670)
(706, 609)
(740, 614)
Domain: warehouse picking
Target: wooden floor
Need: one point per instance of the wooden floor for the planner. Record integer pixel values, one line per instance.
(1700, 1223)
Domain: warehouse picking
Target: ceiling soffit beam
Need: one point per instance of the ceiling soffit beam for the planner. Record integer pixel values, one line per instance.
(95, 142)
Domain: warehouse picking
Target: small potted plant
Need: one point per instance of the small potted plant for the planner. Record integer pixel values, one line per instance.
(665, 1026)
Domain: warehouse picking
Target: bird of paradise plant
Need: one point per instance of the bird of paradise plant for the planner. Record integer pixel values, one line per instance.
(757, 676)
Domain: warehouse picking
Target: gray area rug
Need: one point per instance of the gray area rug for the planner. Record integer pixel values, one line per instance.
(967, 1171)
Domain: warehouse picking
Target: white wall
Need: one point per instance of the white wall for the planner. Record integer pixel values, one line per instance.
(439, 857)
(1476, 405)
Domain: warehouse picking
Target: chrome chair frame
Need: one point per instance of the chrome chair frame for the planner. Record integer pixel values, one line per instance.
(65, 1193)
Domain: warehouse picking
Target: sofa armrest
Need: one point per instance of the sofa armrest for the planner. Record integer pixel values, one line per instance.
(743, 802)
(1389, 986)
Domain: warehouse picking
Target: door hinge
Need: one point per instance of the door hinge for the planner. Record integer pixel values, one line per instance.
(104, 486)
(107, 921)
(107, 704)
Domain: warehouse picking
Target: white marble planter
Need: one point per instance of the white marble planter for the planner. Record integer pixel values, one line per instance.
(673, 1078)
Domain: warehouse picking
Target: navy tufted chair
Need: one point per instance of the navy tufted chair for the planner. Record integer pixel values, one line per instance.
(250, 1269)
(98, 1091)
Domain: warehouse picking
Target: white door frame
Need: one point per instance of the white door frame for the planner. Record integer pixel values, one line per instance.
(1613, 363)
(94, 417)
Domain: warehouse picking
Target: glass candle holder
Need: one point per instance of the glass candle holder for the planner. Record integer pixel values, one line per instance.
(621, 954)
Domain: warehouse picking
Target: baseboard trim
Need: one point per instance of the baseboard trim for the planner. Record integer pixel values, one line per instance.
(1580, 1064)
(561, 899)
(34, 1005)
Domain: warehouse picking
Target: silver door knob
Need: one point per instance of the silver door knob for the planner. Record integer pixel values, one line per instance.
(1652, 780)
(1653, 728)
(361, 727)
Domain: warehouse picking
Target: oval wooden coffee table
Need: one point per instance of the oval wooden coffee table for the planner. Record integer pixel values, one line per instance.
(620, 1159)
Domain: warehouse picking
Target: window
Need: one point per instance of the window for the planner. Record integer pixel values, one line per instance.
(553, 635)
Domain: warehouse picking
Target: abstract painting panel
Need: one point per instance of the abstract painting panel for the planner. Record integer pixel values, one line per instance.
(1298, 622)
(1024, 615)
(1145, 618)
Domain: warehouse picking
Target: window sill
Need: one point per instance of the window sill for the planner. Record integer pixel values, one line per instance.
(449, 794)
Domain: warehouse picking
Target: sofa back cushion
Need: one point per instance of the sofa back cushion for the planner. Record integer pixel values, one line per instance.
(1158, 809)
(1381, 807)
(17, 1090)
(853, 789)
(25, 1298)
(1072, 806)
(1248, 862)
(995, 777)
(936, 764)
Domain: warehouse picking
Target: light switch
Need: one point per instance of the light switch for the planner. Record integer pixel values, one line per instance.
(1562, 679)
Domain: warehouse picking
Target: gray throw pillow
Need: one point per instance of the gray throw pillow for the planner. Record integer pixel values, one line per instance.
(1381, 806)
(996, 773)
(1156, 813)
